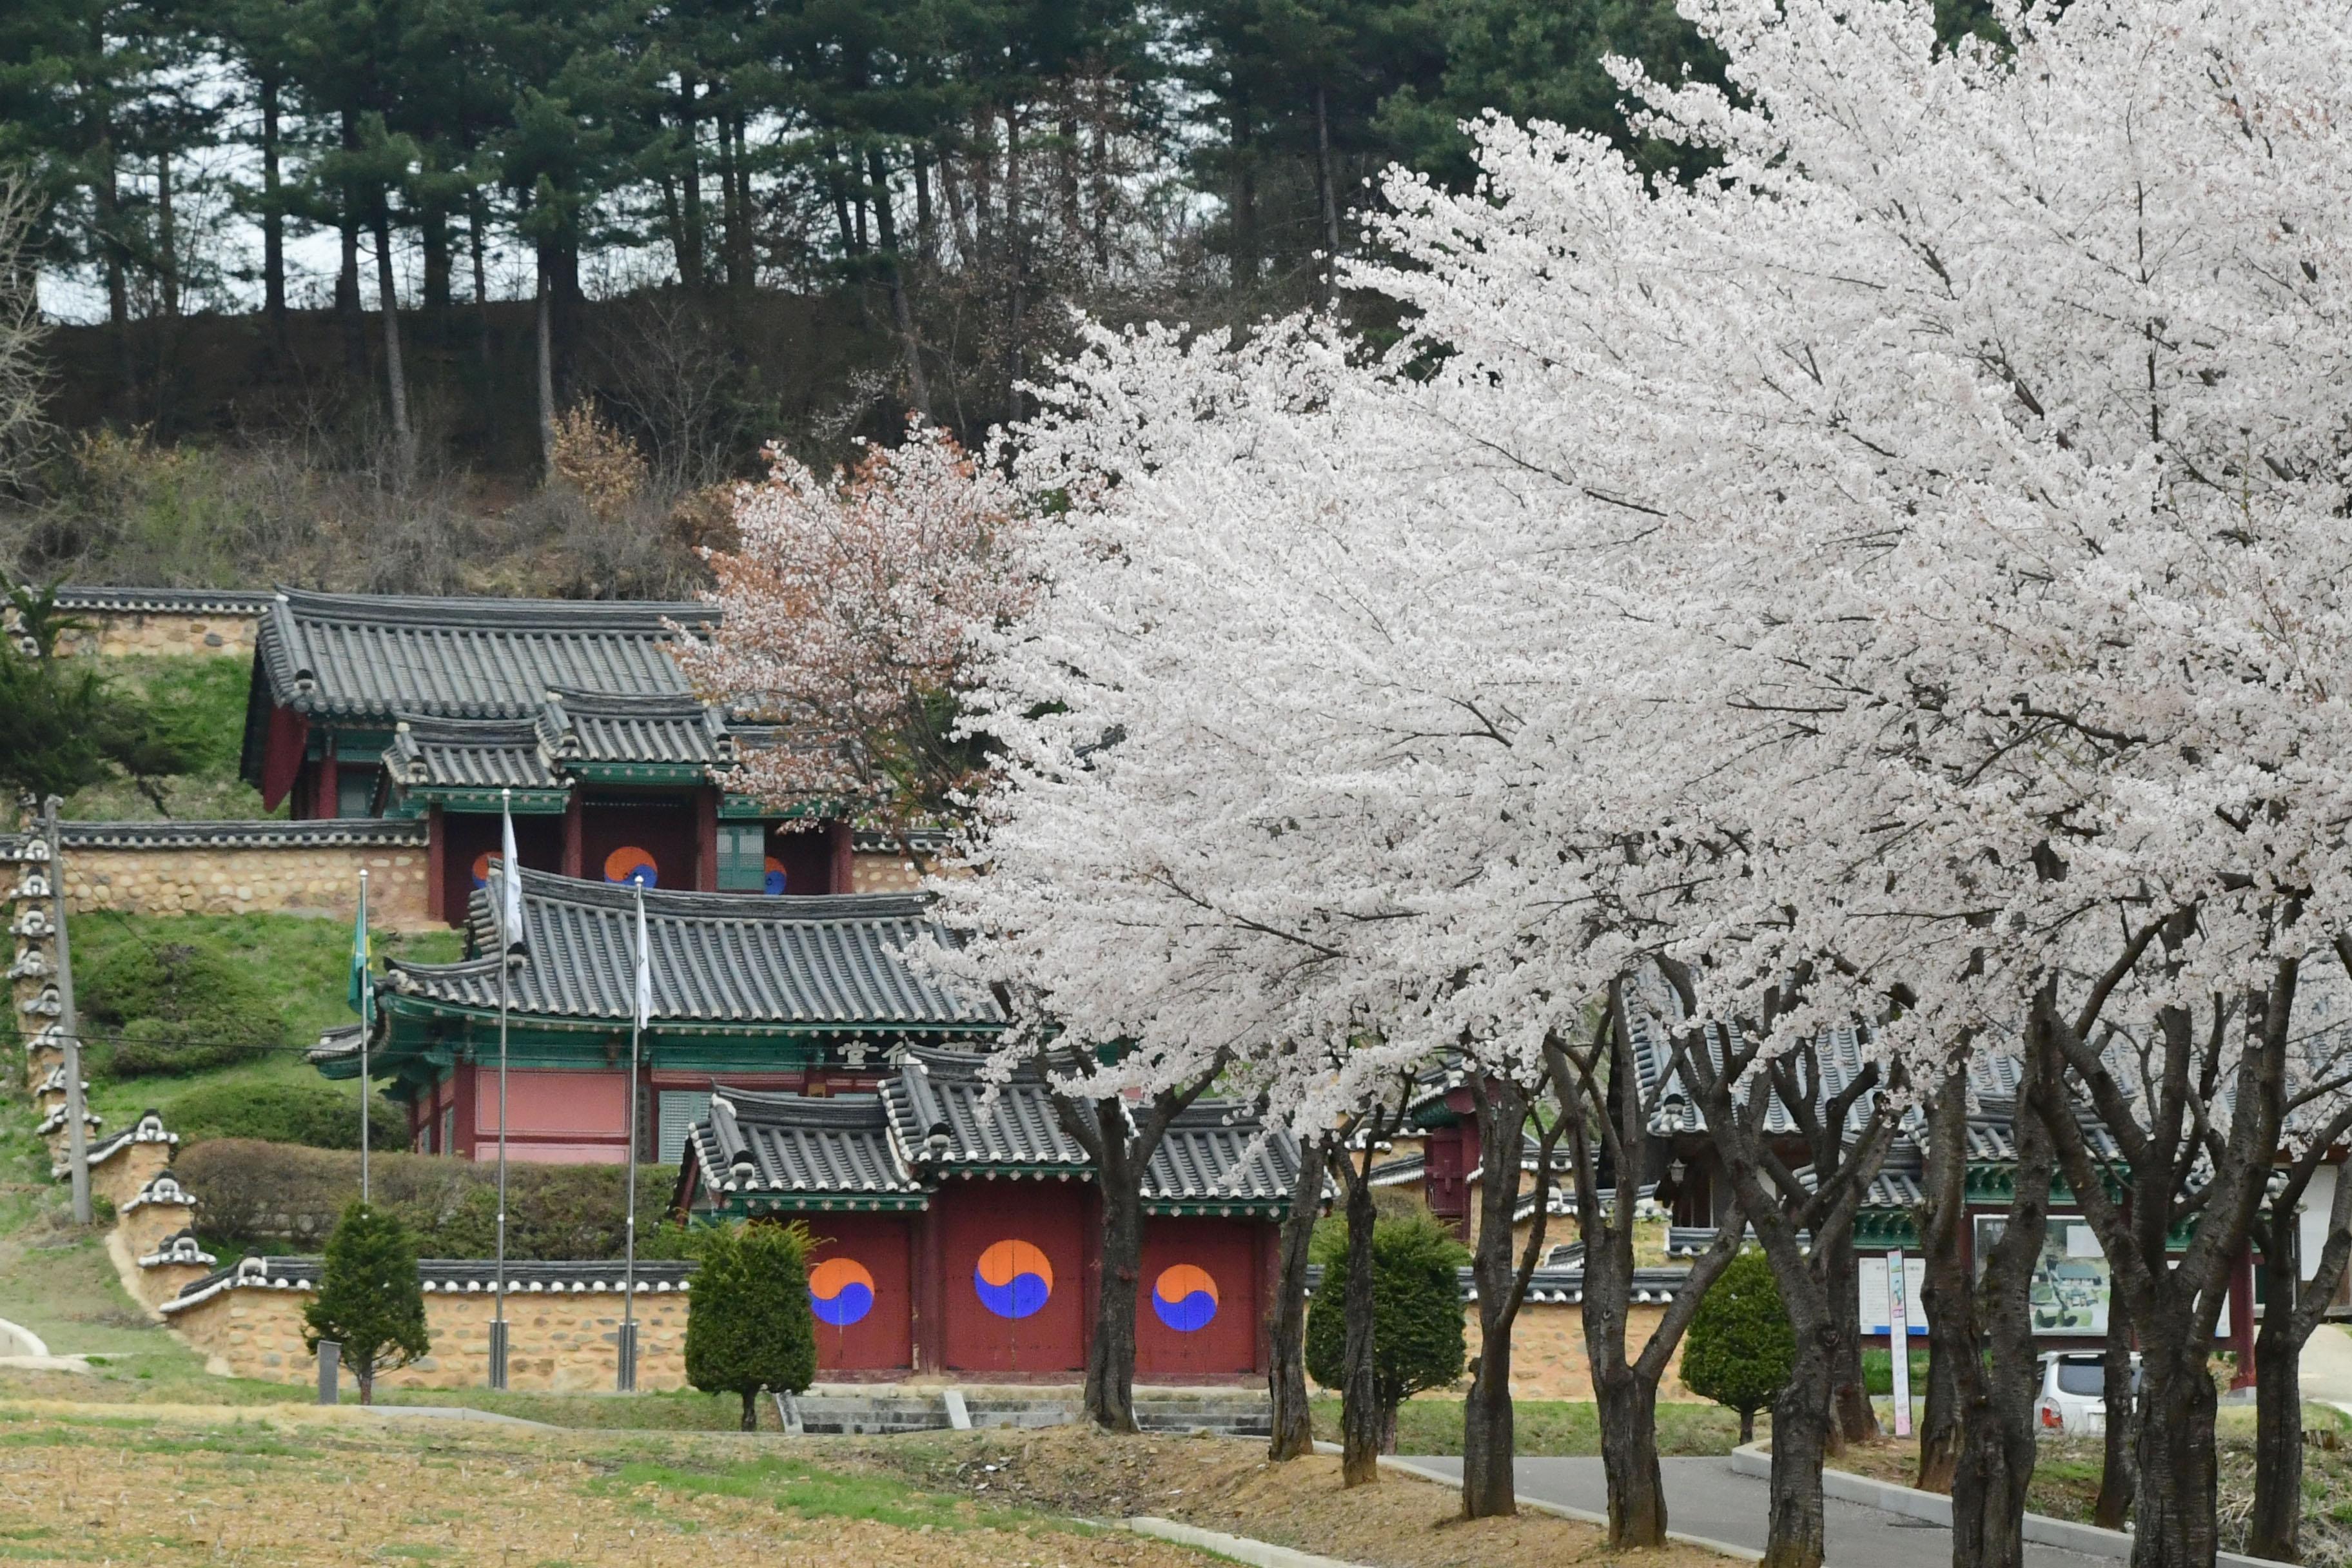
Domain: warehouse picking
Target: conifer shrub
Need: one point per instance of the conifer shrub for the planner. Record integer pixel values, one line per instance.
(749, 1326)
(316, 1115)
(1739, 1349)
(369, 1301)
(171, 1008)
(1417, 1336)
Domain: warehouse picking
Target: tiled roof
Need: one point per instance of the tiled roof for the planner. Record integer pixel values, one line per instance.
(336, 832)
(180, 1246)
(362, 657)
(454, 1277)
(1403, 1171)
(147, 1129)
(163, 1188)
(759, 1149)
(1000, 1126)
(594, 728)
(1216, 1153)
(1841, 1060)
(719, 958)
(467, 753)
(163, 601)
(1562, 1287)
(836, 1150)
(1562, 1200)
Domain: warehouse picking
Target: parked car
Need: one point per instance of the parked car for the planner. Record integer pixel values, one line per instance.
(2074, 1392)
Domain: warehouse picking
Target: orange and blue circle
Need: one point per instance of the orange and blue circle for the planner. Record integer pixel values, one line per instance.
(1185, 1297)
(482, 869)
(773, 880)
(631, 864)
(840, 1291)
(1013, 1279)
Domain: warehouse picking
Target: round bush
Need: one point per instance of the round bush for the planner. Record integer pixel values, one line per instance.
(170, 1007)
(316, 1115)
(1741, 1347)
(1417, 1337)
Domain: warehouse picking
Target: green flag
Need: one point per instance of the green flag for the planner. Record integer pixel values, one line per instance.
(362, 995)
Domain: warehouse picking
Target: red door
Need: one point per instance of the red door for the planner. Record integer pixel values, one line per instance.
(859, 1288)
(1196, 1311)
(1014, 1254)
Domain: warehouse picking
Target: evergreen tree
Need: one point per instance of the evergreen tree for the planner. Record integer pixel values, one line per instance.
(1741, 1347)
(748, 1322)
(369, 1299)
(1416, 1311)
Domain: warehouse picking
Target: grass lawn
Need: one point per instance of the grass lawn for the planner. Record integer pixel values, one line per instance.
(187, 1486)
(299, 968)
(204, 700)
(1547, 1429)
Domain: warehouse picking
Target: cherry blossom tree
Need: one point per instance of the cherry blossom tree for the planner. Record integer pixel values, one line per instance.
(845, 615)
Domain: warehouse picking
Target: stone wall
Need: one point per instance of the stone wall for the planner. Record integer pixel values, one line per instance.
(555, 1342)
(169, 879)
(1547, 1360)
(115, 634)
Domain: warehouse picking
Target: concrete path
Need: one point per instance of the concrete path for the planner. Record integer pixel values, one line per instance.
(1709, 1497)
(2327, 1366)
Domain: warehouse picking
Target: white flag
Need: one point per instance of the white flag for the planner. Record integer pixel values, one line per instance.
(645, 965)
(510, 880)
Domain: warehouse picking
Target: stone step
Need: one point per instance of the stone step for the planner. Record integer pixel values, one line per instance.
(847, 1409)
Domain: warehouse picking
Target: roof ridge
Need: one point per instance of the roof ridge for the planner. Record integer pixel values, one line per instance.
(552, 887)
(496, 609)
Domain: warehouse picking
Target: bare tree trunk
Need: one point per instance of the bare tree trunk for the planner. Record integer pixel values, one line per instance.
(365, 1374)
(1016, 307)
(1489, 1438)
(2173, 1505)
(1998, 1390)
(1066, 165)
(1098, 177)
(475, 222)
(927, 223)
(1945, 1289)
(347, 276)
(1110, 1358)
(2121, 1439)
(1326, 195)
(546, 366)
(273, 218)
(751, 1409)
(688, 228)
(167, 238)
(1795, 1535)
(2292, 1307)
(1294, 1421)
(910, 343)
(433, 242)
(1856, 1418)
(395, 380)
(1361, 1427)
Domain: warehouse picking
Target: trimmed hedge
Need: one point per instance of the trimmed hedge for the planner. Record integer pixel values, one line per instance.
(169, 1007)
(316, 1115)
(256, 1194)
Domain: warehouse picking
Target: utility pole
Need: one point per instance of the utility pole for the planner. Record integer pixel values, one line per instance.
(69, 1024)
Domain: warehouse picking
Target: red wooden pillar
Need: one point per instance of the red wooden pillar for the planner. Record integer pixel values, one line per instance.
(844, 862)
(571, 832)
(2242, 1319)
(436, 856)
(327, 803)
(927, 1267)
(706, 840)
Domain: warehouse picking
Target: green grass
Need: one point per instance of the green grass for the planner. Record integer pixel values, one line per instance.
(300, 966)
(811, 1494)
(1545, 1428)
(204, 701)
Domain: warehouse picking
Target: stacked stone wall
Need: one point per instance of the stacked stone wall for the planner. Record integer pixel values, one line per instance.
(133, 634)
(222, 879)
(563, 1343)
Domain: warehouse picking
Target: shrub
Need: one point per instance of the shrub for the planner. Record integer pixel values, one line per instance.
(1739, 1348)
(317, 1115)
(370, 1301)
(171, 1008)
(256, 1194)
(1417, 1335)
(748, 1322)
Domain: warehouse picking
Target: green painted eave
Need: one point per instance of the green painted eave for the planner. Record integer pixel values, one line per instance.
(740, 1205)
(638, 773)
(525, 802)
(743, 807)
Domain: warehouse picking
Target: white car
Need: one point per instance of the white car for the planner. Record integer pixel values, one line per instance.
(2073, 1400)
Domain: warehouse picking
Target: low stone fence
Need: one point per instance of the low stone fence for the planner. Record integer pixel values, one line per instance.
(118, 622)
(563, 1322)
(239, 868)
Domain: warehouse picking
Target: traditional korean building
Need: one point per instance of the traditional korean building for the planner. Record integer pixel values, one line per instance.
(428, 709)
(813, 995)
(956, 1224)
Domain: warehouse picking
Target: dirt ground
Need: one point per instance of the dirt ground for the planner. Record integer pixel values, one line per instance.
(172, 1488)
(1227, 1484)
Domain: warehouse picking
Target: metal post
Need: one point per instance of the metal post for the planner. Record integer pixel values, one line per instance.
(330, 1361)
(628, 1348)
(499, 1319)
(367, 1018)
(68, 1026)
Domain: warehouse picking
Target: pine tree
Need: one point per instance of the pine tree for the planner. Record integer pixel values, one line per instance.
(369, 1299)
(1741, 1347)
(748, 1323)
(1417, 1336)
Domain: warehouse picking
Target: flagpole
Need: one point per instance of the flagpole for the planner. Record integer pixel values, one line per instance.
(507, 940)
(367, 1016)
(629, 1370)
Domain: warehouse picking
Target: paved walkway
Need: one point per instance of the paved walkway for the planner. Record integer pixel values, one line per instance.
(2327, 1366)
(1709, 1497)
